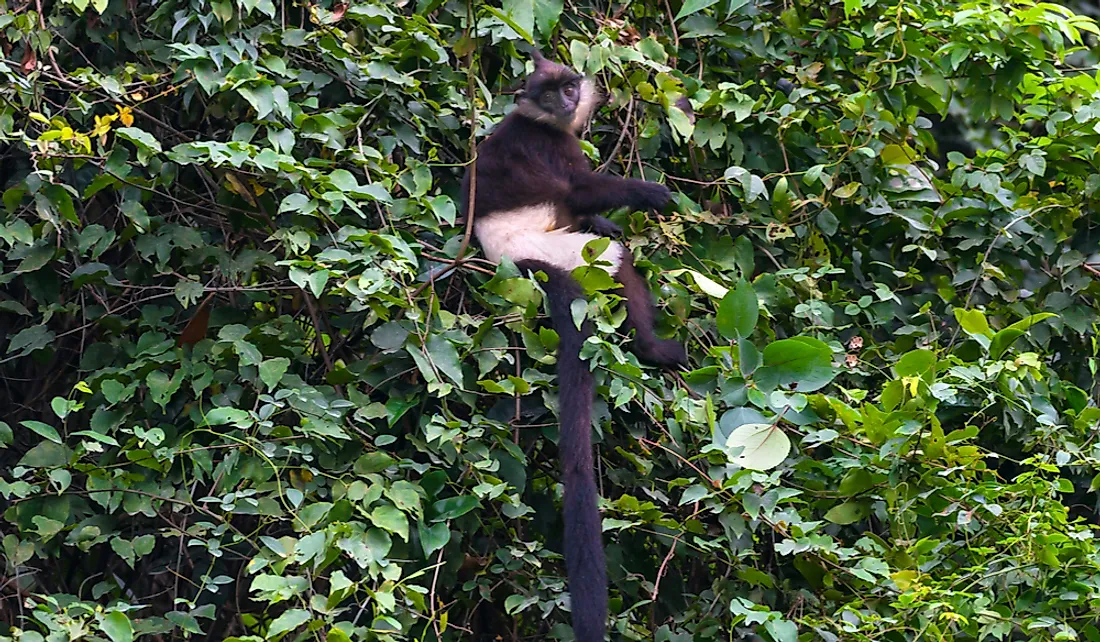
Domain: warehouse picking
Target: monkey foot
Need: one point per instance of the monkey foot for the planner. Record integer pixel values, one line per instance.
(666, 353)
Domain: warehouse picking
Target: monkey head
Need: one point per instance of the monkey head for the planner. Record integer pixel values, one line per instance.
(556, 95)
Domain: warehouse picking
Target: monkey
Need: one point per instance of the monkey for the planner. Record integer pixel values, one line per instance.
(538, 202)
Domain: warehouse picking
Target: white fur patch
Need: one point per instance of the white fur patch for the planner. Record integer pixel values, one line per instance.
(528, 233)
(590, 97)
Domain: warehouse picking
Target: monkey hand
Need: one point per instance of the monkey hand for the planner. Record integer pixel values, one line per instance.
(665, 353)
(651, 196)
(604, 227)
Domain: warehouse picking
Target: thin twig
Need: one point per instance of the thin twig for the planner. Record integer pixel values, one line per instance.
(318, 330)
(675, 34)
(985, 257)
(622, 137)
(661, 570)
(471, 31)
(431, 595)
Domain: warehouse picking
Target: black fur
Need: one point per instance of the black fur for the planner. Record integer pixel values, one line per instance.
(533, 157)
(584, 559)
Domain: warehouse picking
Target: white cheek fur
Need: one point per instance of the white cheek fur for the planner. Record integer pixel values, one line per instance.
(590, 96)
(528, 233)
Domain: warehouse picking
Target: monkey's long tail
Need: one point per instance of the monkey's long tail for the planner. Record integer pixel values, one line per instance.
(584, 556)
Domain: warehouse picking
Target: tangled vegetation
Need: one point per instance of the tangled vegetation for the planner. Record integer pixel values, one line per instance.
(256, 384)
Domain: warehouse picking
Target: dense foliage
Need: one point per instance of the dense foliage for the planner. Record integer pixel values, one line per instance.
(256, 385)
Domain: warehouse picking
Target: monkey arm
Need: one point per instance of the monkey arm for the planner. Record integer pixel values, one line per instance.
(591, 194)
(601, 226)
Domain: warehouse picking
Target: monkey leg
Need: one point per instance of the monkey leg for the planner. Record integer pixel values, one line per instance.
(640, 315)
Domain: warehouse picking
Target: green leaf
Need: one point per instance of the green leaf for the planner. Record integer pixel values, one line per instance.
(389, 336)
(136, 212)
(764, 446)
(222, 10)
(803, 364)
(31, 339)
(188, 292)
(227, 415)
(46, 528)
(454, 507)
(36, 259)
(272, 371)
(916, 363)
(547, 15)
(317, 282)
(694, 494)
(782, 630)
(391, 519)
(445, 357)
(735, 418)
(515, 603)
(373, 462)
(142, 139)
(404, 495)
(506, 19)
(288, 621)
(855, 481)
(522, 12)
(443, 208)
(847, 191)
(62, 200)
(61, 407)
(295, 203)
(144, 544)
(896, 155)
(693, 6)
(161, 387)
(738, 312)
(846, 513)
(260, 96)
(124, 549)
(1004, 339)
(680, 122)
(61, 478)
(973, 322)
(117, 626)
(434, 537)
(185, 621)
(749, 357)
(47, 431)
(46, 454)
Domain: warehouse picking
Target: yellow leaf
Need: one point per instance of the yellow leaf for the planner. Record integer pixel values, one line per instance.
(912, 384)
(905, 579)
(125, 115)
(237, 187)
(847, 191)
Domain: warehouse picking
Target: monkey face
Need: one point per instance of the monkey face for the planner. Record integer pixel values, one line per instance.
(558, 96)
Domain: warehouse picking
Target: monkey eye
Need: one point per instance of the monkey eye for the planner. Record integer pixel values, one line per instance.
(569, 90)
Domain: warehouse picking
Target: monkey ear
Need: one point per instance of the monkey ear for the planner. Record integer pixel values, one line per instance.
(537, 57)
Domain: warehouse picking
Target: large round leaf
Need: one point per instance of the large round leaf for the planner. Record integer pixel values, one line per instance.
(735, 418)
(763, 446)
(804, 364)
